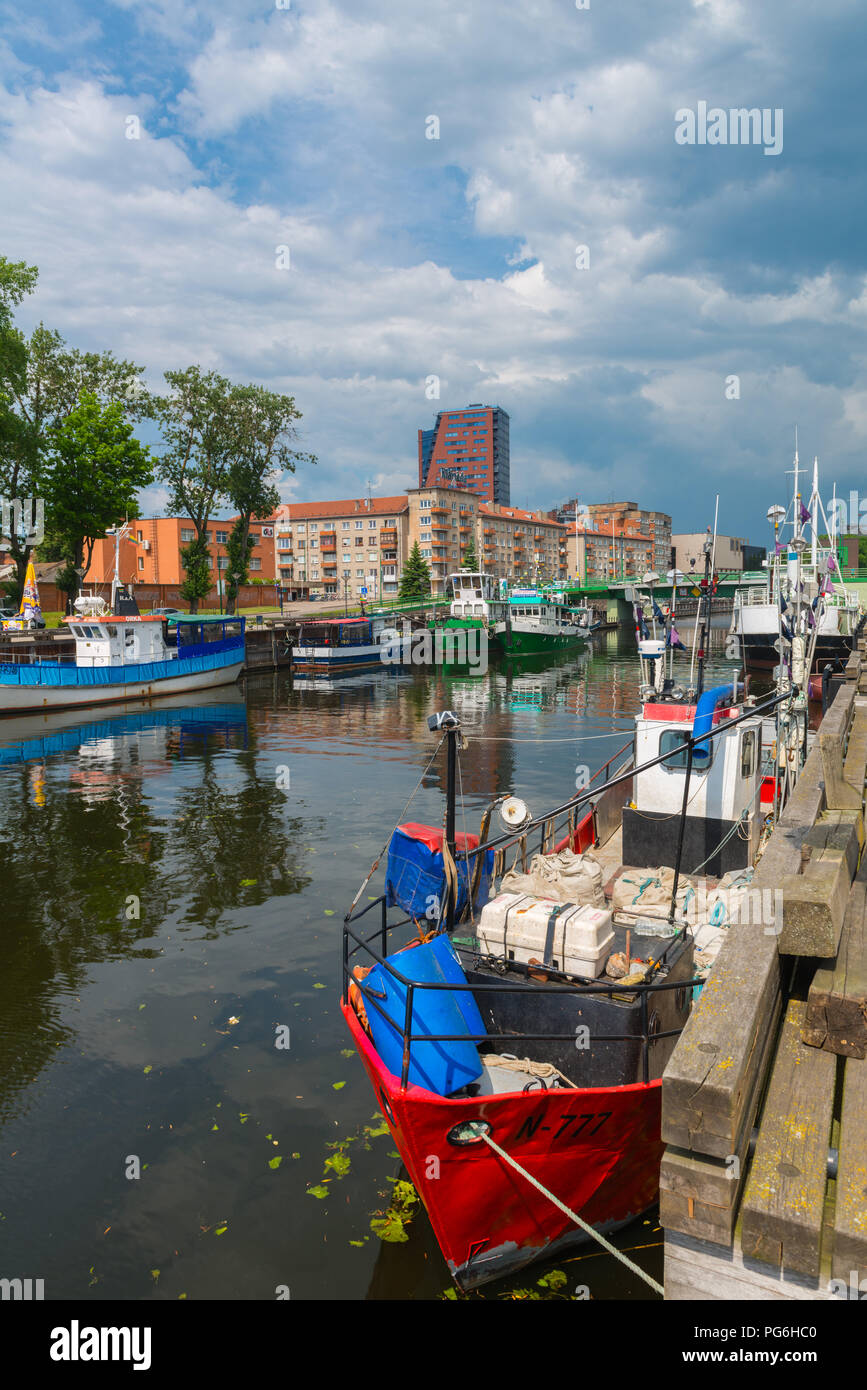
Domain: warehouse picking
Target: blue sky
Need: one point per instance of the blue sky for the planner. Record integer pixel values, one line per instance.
(304, 127)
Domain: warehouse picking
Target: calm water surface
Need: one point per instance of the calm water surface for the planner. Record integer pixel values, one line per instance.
(173, 884)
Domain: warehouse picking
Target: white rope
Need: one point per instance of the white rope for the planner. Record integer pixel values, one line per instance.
(573, 1216)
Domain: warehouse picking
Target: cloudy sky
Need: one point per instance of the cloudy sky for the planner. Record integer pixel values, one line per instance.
(304, 124)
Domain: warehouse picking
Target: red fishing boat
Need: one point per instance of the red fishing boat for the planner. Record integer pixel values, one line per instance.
(516, 1042)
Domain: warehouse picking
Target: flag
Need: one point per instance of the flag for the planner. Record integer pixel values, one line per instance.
(783, 604)
(778, 549)
(658, 613)
(642, 625)
(805, 515)
(30, 597)
(673, 640)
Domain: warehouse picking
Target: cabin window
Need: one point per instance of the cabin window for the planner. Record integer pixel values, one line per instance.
(748, 754)
(673, 738)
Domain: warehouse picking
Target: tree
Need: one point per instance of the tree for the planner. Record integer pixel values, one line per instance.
(470, 561)
(201, 433)
(41, 382)
(415, 580)
(92, 476)
(265, 432)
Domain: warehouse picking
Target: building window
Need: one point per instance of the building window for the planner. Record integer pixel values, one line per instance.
(359, 525)
(222, 538)
(141, 562)
(186, 534)
(344, 525)
(222, 562)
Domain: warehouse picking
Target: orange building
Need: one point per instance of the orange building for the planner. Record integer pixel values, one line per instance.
(151, 553)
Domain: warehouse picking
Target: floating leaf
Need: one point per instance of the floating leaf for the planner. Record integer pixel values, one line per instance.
(221, 1230)
(329, 911)
(339, 1164)
(248, 882)
(142, 1006)
(347, 1051)
(337, 1085)
(275, 1162)
(357, 1242)
(317, 1191)
(296, 1155)
(213, 1127)
(555, 1280)
(147, 1069)
(233, 1020)
(318, 986)
(155, 1274)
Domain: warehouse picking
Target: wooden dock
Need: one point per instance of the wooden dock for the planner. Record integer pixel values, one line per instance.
(763, 1185)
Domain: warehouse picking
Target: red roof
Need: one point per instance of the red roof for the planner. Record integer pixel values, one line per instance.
(352, 507)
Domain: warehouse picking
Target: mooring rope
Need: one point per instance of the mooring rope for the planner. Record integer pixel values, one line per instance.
(573, 1216)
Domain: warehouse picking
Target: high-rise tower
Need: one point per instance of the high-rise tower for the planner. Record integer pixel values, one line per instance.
(469, 449)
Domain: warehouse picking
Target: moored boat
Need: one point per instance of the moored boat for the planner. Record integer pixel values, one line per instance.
(516, 1039)
(534, 623)
(125, 658)
(336, 646)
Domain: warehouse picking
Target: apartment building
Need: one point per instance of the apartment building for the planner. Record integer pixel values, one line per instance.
(732, 552)
(606, 555)
(509, 543)
(468, 449)
(624, 519)
(341, 548)
(151, 553)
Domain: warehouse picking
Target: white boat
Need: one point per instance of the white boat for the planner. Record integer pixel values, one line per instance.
(124, 658)
(535, 623)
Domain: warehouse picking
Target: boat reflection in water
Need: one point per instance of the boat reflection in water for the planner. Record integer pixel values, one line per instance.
(175, 722)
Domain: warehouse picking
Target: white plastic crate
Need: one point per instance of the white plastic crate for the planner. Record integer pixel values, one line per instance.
(576, 940)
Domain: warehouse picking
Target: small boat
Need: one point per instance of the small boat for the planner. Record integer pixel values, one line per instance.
(124, 658)
(476, 605)
(515, 1040)
(535, 623)
(336, 646)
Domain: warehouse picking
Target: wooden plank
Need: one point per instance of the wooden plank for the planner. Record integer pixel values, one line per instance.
(836, 1017)
(699, 1195)
(849, 1257)
(855, 763)
(781, 1213)
(833, 733)
(695, 1269)
(814, 905)
(711, 1079)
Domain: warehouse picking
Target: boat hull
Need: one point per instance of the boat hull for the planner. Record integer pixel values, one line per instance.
(33, 699)
(597, 1149)
(532, 642)
(320, 661)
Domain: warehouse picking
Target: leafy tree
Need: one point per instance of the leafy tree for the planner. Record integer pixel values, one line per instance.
(264, 449)
(41, 382)
(470, 561)
(196, 564)
(200, 430)
(415, 580)
(93, 474)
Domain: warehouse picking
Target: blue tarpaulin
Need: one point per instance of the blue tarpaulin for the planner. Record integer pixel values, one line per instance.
(415, 876)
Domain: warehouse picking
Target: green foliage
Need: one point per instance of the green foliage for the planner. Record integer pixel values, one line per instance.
(470, 560)
(415, 580)
(199, 580)
(391, 1226)
(92, 475)
(239, 548)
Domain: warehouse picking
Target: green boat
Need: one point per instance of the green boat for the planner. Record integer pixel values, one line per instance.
(475, 605)
(535, 623)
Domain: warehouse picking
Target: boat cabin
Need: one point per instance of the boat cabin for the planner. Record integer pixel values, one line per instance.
(336, 632)
(110, 641)
(472, 594)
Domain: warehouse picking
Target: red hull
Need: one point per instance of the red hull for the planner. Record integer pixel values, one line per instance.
(598, 1150)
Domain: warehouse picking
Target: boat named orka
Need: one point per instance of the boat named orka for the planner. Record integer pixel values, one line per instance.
(515, 1023)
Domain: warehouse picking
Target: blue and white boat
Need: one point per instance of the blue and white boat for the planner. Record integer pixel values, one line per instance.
(337, 646)
(125, 658)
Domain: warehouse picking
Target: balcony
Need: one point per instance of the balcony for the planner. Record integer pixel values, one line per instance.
(388, 537)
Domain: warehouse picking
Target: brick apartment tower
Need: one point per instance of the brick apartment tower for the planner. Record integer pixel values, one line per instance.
(467, 449)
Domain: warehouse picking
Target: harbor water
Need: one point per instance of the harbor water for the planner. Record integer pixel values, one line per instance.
(182, 1114)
